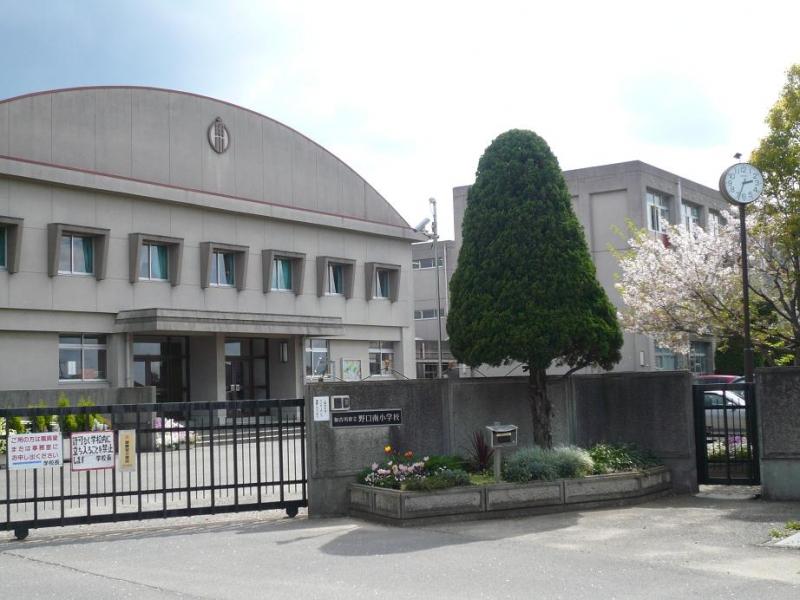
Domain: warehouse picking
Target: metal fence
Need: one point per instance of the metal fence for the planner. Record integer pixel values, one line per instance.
(177, 459)
(725, 432)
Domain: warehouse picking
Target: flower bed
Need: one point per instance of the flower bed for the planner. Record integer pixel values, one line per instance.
(506, 499)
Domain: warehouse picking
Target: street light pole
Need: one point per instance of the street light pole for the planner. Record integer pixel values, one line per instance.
(435, 238)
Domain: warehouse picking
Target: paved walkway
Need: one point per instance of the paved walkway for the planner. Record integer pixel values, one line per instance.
(707, 546)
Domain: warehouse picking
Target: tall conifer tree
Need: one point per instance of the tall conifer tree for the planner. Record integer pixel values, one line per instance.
(525, 288)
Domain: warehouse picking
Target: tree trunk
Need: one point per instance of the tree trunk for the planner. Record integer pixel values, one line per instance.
(541, 409)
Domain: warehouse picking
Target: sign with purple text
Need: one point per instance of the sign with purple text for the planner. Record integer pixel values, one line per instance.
(92, 450)
(34, 450)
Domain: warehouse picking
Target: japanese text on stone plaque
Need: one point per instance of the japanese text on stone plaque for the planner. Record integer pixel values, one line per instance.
(93, 450)
(367, 418)
(34, 450)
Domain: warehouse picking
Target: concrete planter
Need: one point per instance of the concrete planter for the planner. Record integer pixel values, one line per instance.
(506, 499)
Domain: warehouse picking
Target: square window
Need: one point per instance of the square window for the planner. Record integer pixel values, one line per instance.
(81, 357)
(281, 274)
(153, 262)
(76, 255)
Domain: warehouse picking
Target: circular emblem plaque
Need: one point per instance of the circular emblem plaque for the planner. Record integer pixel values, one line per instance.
(218, 136)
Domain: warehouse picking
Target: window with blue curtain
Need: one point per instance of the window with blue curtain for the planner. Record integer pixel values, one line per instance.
(222, 269)
(153, 262)
(2, 247)
(76, 255)
(381, 283)
(281, 274)
(336, 279)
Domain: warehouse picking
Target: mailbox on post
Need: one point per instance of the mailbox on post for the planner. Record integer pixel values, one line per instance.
(501, 436)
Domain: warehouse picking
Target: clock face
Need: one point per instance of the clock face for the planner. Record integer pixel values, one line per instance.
(742, 183)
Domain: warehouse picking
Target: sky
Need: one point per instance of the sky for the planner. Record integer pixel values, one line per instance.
(410, 94)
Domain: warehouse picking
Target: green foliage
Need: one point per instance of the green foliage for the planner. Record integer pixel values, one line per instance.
(69, 422)
(616, 458)
(525, 288)
(15, 423)
(441, 479)
(444, 461)
(547, 464)
(793, 525)
(85, 421)
(41, 423)
(480, 453)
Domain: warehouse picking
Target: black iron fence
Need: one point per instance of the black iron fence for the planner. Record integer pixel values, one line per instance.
(725, 432)
(92, 464)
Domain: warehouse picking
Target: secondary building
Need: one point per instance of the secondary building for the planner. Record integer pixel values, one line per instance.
(605, 198)
(157, 238)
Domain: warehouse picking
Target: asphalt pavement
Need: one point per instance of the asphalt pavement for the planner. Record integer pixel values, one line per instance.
(713, 545)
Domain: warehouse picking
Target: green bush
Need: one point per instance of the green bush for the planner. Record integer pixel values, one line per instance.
(444, 461)
(15, 424)
(441, 479)
(542, 464)
(41, 423)
(617, 458)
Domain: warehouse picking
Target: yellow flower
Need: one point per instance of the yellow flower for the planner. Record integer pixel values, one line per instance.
(387, 449)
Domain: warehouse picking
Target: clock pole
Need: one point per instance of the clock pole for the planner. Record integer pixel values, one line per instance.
(748, 347)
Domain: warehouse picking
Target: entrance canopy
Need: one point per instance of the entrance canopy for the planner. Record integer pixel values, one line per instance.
(204, 321)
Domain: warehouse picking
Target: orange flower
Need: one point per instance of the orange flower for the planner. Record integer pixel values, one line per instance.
(387, 449)
(408, 454)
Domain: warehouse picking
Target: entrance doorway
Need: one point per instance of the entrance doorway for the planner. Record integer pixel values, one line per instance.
(246, 369)
(163, 362)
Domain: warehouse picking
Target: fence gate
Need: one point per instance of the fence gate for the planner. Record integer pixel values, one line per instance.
(146, 461)
(725, 431)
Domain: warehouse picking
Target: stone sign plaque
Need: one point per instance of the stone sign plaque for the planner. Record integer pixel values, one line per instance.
(367, 418)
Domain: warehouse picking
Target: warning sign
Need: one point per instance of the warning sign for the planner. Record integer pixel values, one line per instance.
(93, 450)
(34, 450)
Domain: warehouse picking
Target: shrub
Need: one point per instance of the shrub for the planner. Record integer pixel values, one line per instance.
(616, 458)
(41, 423)
(16, 425)
(535, 463)
(480, 453)
(444, 461)
(439, 480)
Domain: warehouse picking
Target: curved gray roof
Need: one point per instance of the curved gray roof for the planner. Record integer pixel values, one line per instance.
(160, 136)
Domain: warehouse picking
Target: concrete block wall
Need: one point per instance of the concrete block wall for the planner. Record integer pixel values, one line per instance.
(653, 410)
(778, 410)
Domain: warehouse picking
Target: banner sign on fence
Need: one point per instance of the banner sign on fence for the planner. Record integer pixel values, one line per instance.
(34, 450)
(367, 418)
(92, 450)
(127, 450)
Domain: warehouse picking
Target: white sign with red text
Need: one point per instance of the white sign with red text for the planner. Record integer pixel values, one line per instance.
(35, 450)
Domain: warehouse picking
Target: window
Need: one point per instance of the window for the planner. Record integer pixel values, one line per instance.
(691, 216)
(425, 313)
(153, 263)
(76, 255)
(81, 357)
(316, 359)
(425, 263)
(282, 274)
(2, 247)
(223, 271)
(699, 357)
(335, 278)
(381, 283)
(715, 222)
(657, 211)
(381, 358)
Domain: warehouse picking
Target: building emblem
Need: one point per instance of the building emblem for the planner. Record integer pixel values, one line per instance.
(218, 136)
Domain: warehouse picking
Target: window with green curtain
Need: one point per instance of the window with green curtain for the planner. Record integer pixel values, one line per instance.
(2, 247)
(281, 274)
(87, 245)
(382, 283)
(158, 262)
(336, 279)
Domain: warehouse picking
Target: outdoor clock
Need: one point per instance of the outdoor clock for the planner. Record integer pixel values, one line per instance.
(741, 184)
